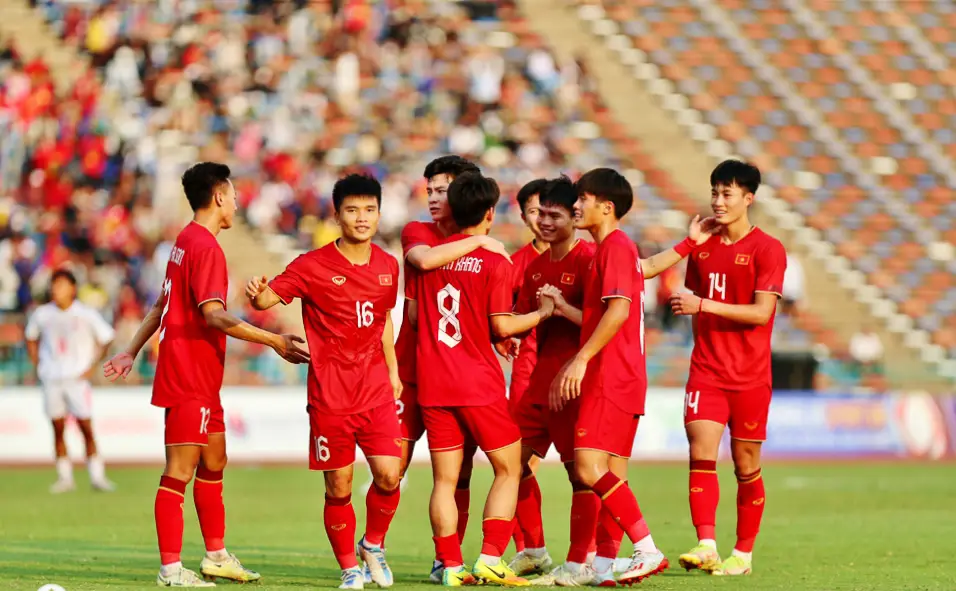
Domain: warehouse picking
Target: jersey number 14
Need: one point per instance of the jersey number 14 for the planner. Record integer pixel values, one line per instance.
(718, 284)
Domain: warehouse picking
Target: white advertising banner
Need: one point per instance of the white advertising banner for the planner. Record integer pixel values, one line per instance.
(262, 425)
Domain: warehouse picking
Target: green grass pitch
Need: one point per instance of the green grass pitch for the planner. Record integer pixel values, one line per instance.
(827, 527)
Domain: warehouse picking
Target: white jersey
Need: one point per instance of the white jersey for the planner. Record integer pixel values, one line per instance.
(70, 340)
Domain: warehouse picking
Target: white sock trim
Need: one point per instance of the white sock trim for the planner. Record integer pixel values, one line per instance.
(490, 560)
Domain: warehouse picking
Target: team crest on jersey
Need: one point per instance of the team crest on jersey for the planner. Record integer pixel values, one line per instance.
(338, 280)
(567, 278)
(703, 255)
(742, 259)
(384, 279)
(536, 276)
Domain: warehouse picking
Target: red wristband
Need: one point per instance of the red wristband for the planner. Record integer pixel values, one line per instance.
(700, 306)
(685, 247)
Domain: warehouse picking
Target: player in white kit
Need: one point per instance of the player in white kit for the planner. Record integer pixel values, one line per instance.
(65, 339)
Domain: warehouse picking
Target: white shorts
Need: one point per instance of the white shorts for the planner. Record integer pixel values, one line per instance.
(73, 397)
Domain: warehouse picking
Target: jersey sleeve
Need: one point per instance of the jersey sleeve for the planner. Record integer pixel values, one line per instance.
(102, 330)
(209, 280)
(291, 283)
(691, 278)
(771, 264)
(500, 296)
(393, 272)
(414, 234)
(616, 266)
(32, 330)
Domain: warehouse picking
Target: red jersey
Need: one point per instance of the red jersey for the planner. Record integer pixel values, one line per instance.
(457, 365)
(558, 338)
(527, 354)
(619, 371)
(727, 354)
(344, 308)
(414, 234)
(192, 355)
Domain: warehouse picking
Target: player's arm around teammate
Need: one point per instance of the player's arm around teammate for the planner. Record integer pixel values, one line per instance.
(735, 281)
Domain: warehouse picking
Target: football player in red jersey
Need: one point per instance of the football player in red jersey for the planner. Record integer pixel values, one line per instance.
(561, 276)
(523, 363)
(609, 375)
(192, 320)
(424, 250)
(735, 279)
(348, 289)
(462, 307)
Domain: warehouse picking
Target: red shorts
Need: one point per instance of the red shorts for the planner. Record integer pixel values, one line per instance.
(409, 413)
(191, 422)
(450, 427)
(604, 426)
(333, 438)
(744, 410)
(540, 427)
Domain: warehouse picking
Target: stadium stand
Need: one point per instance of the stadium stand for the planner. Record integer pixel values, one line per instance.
(292, 96)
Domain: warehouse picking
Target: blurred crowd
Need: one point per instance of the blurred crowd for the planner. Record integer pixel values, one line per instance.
(291, 94)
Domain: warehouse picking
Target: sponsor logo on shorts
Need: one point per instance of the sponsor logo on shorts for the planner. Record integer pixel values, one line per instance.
(758, 502)
(582, 432)
(338, 280)
(696, 489)
(536, 276)
(703, 255)
(742, 259)
(384, 279)
(567, 278)
(398, 441)
(751, 426)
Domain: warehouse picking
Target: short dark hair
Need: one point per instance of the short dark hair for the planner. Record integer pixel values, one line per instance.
(356, 185)
(559, 192)
(736, 172)
(201, 180)
(63, 274)
(609, 185)
(470, 196)
(452, 165)
(530, 190)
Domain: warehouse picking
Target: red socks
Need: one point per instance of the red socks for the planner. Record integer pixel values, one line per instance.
(462, 501)
(495, 533)
(340, 527)
(609, 535)
(621, 504)
(528, 512)
(168, 511)
(585, 508)
(448, 551)
(704, 494)
(750, 504)
(518, 536)
(380, 506)
(207, 495)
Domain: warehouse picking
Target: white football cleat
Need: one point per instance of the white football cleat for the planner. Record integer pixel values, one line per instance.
(62, 486)
(181, 577)
(352, 578)
(643, 565)
(524, 563)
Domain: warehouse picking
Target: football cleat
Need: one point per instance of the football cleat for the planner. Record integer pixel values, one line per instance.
(643, 565)
(103, 485)
(182, 577)
(230, 568)
(524, 563)
(701, 557)
(567, 575)
(457, 577)
(62, 486)
(734, 566)
(374, 559)
(352, 578)
(436, 575)
(500, 574)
